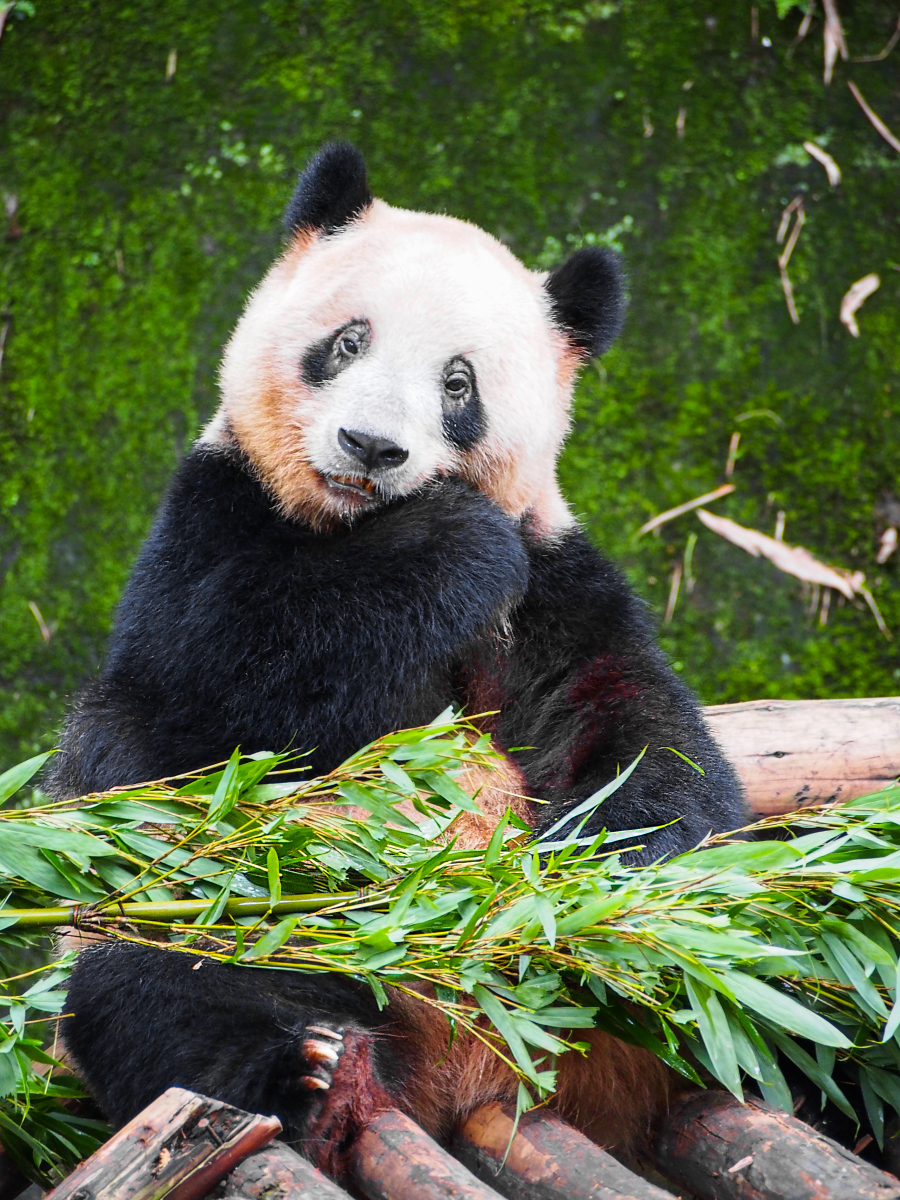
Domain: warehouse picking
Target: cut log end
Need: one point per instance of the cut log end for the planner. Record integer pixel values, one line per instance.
(179, 1147)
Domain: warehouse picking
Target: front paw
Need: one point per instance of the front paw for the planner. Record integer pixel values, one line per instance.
(320, 1054)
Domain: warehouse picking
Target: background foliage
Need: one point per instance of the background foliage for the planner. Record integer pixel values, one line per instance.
(151, 148)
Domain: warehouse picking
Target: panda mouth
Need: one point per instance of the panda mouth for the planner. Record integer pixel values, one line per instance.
(352, 485)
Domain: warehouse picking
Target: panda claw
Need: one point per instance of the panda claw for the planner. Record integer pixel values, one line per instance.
(323, 1031)
(321, 1054)
(312, 1083)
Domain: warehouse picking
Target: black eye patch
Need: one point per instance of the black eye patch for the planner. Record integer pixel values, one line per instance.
(463, 418)
(328, 357)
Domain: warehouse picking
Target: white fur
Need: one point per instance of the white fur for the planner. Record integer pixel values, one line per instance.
(432, 288)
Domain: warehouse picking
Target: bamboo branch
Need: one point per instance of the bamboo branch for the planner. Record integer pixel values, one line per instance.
(168, 911)
(180, 1147)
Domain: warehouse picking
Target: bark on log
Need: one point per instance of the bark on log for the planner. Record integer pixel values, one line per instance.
(393, 1159)
(789, 753)
(719, 1149)
(547, 1160)
(180, 1146)
(278, 1173)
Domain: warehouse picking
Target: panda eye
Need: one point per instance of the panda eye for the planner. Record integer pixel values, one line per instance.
(349, 343)
(458, 384)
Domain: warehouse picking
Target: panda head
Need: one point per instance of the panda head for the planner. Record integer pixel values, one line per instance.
(387, 348)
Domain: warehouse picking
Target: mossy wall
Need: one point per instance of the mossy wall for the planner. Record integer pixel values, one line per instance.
(149, 202)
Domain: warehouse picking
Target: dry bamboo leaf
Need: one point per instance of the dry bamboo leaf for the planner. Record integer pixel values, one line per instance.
(793, 560)
(673, 594)
(855, 297)
(46, 631)
(835, 43)
(882, 54)
(874, 117)
(671, 513)
(831, 167)
(888, 544)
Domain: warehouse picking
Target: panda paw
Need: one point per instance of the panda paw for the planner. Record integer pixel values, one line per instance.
(321, 1053)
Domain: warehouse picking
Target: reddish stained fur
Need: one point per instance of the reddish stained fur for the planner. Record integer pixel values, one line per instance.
(613, 1095)
(602, 687)
(354, 1100)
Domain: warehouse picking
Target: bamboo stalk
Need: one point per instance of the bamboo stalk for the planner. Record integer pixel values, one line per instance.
(393, 1159)
(545, 1159)
(168, 910)
(178, 1147)
(720, 1149)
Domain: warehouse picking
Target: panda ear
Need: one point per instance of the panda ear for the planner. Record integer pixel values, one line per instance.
(331, 192)
(587, 295)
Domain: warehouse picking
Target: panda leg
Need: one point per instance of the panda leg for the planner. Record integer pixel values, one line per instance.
(309, 1049)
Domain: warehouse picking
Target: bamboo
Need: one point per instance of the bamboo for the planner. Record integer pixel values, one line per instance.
(719, 1149)
(545, 1159)
(167, 911)
(789, 753)
(393, 1159)
(178, 1147)
(279, 1173)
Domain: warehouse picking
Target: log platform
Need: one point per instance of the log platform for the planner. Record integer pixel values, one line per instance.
(790, 753)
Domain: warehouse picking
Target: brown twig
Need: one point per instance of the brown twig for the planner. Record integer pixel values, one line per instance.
(895, 38)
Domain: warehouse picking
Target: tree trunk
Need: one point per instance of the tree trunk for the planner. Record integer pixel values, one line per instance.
(719, 1149)
(547, 1160)
(180, 1146)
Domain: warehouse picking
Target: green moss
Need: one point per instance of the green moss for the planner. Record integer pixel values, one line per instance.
(149, 207)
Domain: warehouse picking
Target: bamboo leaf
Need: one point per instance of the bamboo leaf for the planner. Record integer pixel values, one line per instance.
(16, 777)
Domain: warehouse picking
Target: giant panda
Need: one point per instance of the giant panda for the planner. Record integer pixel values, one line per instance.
(369, 530)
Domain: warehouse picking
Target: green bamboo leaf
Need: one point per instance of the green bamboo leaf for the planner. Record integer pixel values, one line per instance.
(874, 1105)
(500, 1018)
(227, 791)
(273, 873)
(781, 1009)
(812, 1070)
(271, 941)
(716, 1034)
(16, 777)
(855, 975)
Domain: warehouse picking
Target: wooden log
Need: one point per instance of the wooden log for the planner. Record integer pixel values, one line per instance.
(789, 753)
(719, 1149)
(393, 1159)
(547, 1159)
(180, 1146)
(278, 1173)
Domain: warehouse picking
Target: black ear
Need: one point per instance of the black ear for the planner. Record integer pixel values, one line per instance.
(332, 190)
(588, 297)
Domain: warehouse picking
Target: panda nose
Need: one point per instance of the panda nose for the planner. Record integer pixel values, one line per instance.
(373, 452)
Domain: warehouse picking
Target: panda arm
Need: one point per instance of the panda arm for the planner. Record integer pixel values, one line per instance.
(586, 686)
(239, 627)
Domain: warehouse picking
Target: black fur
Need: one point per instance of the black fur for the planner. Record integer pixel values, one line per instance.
(149, 1019)
(466, 426)
(588, 297)
(332, 191)
(241, 627)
